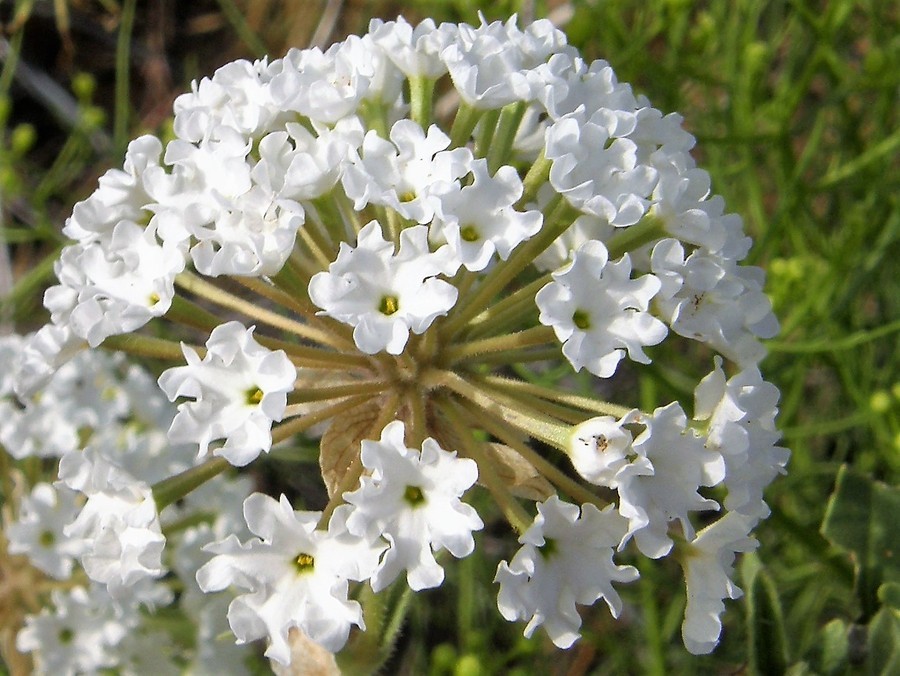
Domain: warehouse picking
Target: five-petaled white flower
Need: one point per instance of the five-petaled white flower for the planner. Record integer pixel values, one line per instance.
(295, 575)
(412, 500)
(565, 559)
(708, 561)
(384, 295)
(599, 312)
(239, 388)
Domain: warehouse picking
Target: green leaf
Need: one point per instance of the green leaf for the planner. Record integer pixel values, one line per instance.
(768, 646)
(884, 643)
(834, 648)
(889, 595)
(861, 517)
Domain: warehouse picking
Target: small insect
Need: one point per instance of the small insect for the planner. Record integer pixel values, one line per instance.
(599, 441)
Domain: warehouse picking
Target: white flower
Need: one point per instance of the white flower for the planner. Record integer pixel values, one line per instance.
(114, 287)
(78, 636)
(489, 64)
(236, 96)
(710, 298)
(601, 446)
(295, 164)
(239, 389)
(708, 561)
(252, 238)
(409, 173)
(565, 559)
(118, 525)
(43, 352)
(121, 195)
(296, 576)
(741, 417)
(596, 172)
(11, 348)
(88, 391)
(38, 532)
(322, 86)
(384, 295)
(38, 430)
(598, 312)
(657, 132)
(661, 481)
(479, 219)
(412, 500)
(414, 50)
(594, 88)
(585, 227)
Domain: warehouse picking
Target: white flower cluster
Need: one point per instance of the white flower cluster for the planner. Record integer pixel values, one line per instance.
(99, 524)
(297, 576)
(232, 192)
(385, 259)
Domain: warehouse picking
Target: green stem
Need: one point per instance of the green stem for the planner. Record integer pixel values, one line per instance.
(193, 284)
(347, 482)
(301, 423)
(561, 413)
(421, 93)
(507, 310)
(417, 429)
(509, 409)
(555, 224)
(652, 629)
(123, 75)
(271, 292)
(515, 356)
(316, 357)
(510, 119)
(314, 246)
(374, 115)
(509, 435)
(349, 216)
(334, 392)
(648, 229)
(174, 488)
(149, 346)
(518, 518)
(187, 312)
(836, 345)
(537, 175)
(577, 401)
(329, 226)
(293, 278)
(536, 335)
(463, 124)
(486, 132)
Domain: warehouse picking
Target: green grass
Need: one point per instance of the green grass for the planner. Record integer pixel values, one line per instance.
(795, 108)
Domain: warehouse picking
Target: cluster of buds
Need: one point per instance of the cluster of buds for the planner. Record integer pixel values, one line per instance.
(363, 271)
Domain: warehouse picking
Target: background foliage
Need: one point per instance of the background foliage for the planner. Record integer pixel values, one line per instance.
(795, 108)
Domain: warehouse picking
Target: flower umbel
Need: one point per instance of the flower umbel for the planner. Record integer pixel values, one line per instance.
(345, 268)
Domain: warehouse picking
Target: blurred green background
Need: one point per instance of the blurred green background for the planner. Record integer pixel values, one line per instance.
(795, 108)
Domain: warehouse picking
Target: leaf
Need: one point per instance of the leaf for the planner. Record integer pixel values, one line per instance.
(768, 646)
(861, 517)
(889, 595)
(834, 648)
(341, 441)
(519, 475)
(884, 643)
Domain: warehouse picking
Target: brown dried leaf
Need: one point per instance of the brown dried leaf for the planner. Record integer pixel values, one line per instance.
(341, 441)
(307, 658)
(519, 475)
